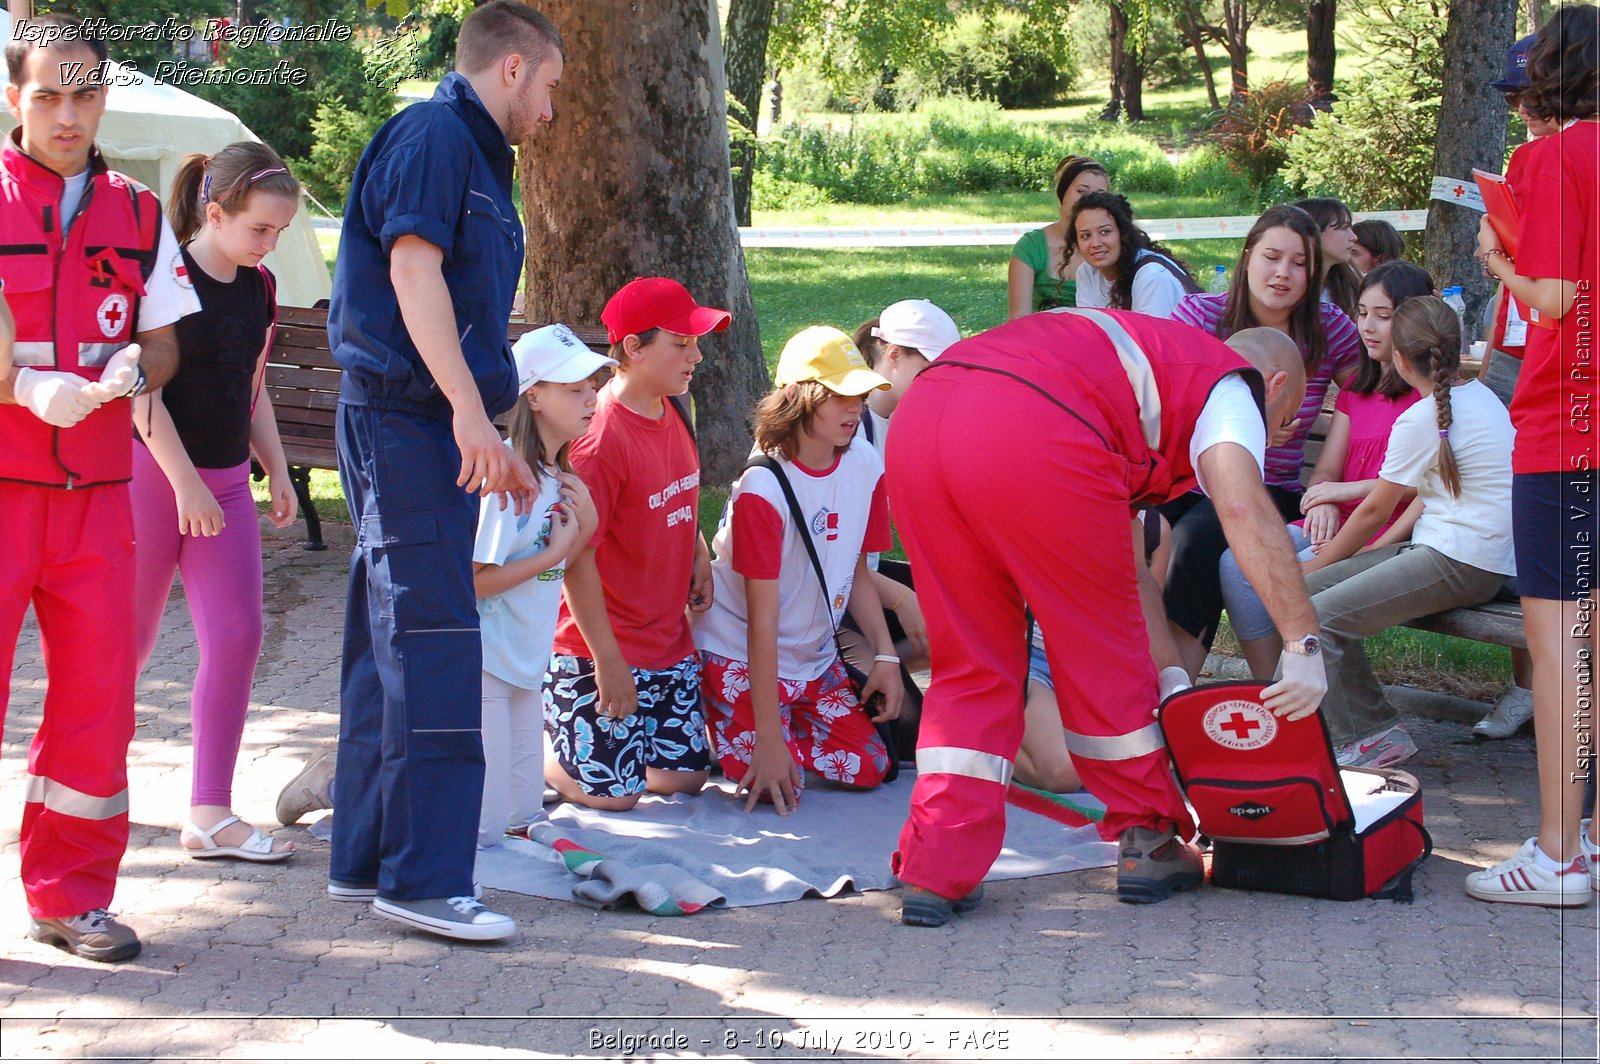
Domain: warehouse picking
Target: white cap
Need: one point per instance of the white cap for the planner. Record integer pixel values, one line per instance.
(917, 323)
(554, 353)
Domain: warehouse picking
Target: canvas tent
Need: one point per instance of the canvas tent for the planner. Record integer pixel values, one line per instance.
(147, 130)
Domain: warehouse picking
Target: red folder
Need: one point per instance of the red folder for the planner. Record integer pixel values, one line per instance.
(1500, 202)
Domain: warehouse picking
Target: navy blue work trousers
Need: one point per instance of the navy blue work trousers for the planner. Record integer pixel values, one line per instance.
(410, 698)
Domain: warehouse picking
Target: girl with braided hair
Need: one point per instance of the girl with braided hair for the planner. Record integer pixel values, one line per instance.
(1453, 448)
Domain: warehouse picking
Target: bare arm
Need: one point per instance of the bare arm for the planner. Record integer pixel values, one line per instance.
(1400, 531)
(158, 355)
(1019, 289)
(1550, 296)
(1362, 526)
(198, 511)
(867, 610)
(772, 772)
(617, 695)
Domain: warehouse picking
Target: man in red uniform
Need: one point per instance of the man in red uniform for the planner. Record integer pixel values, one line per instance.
(1013, 467)
(89, 265)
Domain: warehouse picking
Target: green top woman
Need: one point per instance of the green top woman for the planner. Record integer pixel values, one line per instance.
(1044, 262)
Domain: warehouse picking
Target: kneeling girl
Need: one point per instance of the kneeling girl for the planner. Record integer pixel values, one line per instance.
(777, 697)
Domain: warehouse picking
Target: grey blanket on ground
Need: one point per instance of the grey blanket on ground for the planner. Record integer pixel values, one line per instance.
(708, 850)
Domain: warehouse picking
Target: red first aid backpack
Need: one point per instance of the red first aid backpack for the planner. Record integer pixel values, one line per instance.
(1281, 814)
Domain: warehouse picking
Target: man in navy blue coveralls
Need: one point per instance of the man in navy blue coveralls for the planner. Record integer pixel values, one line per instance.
(428, 265)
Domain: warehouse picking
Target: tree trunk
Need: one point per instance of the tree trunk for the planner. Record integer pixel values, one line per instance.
(1191, 30)
(1535, 15)
(1236, 22)
(749, 22)
(1475, 44)
(633, 180)
(1127, 70)
(1320, 50)
(1117, 36)
(777, 96)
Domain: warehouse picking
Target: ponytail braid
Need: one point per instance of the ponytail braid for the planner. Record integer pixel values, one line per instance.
(1449, 472)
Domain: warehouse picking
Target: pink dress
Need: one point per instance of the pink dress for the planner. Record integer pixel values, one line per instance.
(1371, 419)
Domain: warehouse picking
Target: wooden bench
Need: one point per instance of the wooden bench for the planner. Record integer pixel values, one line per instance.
(303, 381)
(1500, 621)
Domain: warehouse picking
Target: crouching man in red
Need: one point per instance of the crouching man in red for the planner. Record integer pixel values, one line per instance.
(1013, 468)
(89, 265)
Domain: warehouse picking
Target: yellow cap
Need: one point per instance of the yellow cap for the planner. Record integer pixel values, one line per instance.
(823, 354)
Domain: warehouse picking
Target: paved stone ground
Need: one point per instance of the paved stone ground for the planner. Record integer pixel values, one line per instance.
(254, 962)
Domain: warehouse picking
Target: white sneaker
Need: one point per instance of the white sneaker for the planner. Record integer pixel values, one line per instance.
(1522, 881)
(464, 918)
(1514, 709)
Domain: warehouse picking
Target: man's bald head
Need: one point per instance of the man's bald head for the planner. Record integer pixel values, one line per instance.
(1278, 359)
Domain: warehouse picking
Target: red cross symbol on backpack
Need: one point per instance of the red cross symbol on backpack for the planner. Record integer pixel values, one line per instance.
(1240, 725)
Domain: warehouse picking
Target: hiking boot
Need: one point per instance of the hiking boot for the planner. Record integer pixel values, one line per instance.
(464, 918)
(1521, 881)
(924, 908)
(1377, 751)
(93, 935)
(1514, 709)
(1154, 862)
(309, 791)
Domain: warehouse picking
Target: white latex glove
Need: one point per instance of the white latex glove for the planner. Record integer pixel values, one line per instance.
(117, 376)
(1299, 692)
(1174, 679)
(54, 397)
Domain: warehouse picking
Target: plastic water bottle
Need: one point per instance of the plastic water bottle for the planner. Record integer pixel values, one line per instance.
(1453, 299)
(1219, 281)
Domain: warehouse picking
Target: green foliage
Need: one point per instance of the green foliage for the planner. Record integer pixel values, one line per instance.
(1002, 56)
(1168, 61)
(965, 146)
(1376, 147)
(1253, 133)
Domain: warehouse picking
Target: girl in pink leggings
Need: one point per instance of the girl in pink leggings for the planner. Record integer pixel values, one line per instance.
(192, 508)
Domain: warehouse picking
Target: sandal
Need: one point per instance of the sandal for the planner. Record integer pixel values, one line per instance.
(257, 847)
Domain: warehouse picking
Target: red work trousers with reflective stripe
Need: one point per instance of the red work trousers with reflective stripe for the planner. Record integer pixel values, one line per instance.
(1002, 500)
(70, 553)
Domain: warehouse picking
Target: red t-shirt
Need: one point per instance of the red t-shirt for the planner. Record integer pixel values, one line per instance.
(644, 475)
(1558, 191)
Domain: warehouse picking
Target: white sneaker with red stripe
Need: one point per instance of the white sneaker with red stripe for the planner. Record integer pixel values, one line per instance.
(1522, 881)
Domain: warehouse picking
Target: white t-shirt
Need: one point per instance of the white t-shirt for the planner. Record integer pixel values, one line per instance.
(879, 440)
(519, 624)
(840, 503)
(1155, 289)
(1229, 416)
(1475, 528)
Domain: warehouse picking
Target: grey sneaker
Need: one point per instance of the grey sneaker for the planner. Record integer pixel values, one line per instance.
(924, 908)
(464, 918)
(309, 791)
(93, 935)
(1154, 862)
(1514, 709)
(368, 892)
(1378, 751)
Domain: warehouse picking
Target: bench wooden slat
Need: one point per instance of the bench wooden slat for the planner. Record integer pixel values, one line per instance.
(1494, 622)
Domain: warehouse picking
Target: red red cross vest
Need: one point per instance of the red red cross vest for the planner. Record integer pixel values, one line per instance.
(1136, 381)
(75, 300)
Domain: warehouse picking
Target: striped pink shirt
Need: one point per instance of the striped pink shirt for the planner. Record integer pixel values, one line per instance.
(1343, 352)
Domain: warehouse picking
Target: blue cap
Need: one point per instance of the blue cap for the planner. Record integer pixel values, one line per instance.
(1516, 78)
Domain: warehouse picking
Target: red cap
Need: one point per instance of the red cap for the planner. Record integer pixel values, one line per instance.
(646, 303)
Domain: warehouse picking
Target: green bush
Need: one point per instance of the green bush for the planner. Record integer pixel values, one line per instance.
(1004, 57)
(964, 146)
(1376, 146)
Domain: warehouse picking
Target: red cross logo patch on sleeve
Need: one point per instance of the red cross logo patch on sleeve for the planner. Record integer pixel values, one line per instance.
(180, 272)
(113, 315)
(1240, 725)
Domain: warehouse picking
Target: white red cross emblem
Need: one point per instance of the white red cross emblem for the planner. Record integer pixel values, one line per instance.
(1240, 725)
(113, 315)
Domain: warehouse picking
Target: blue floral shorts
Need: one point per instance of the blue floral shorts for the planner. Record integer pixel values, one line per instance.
(608, 757)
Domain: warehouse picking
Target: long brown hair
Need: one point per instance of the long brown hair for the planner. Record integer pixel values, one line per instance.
(527, 442)
(1427, 334)
(1132, 239)
(1305, 321)
(1400, 281)
(1564, 65)
(787, 412)
(226, 179)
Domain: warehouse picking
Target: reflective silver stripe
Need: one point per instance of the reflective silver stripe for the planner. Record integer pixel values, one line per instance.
(98, 354)
(1134, 364)
(33, 353)
(59, 798)
(957, 761)
(1146, 740)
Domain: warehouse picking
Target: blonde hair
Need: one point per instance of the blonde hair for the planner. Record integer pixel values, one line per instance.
(1427, 334)
(785, 413)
